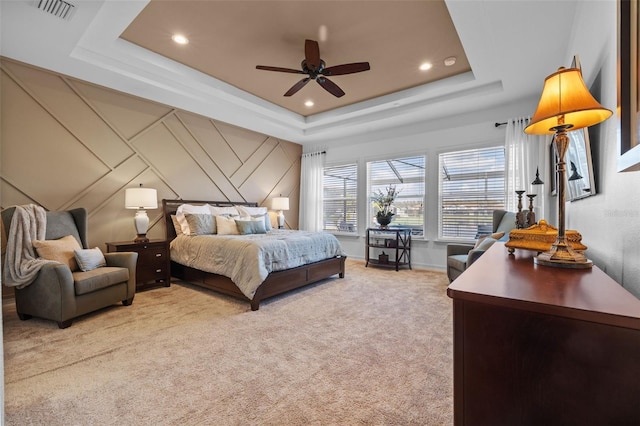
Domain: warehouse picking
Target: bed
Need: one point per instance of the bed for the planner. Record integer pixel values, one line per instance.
(183, 266)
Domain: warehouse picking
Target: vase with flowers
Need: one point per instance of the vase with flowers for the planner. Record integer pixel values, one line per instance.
(383, 201)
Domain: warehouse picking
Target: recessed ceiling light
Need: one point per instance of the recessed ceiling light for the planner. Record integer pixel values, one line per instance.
(322, 33)
(309, 104)
(180, 39)
(425, 66)
(451, 60)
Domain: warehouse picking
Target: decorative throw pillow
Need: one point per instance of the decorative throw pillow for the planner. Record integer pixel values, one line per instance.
(201, 224)
(188, 208)
(227, 225)
(495, 236)
(255, 226)
(176, 224)
(485, 244)
(60, 250)
(89, 259)
(256, 212)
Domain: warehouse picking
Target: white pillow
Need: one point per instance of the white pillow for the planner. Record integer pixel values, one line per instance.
(89, 259)
(188, 208)
(228, 211)
(251, 211)
(227, 225)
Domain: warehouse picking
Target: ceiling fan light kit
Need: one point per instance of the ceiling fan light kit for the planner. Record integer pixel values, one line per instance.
(315, 69)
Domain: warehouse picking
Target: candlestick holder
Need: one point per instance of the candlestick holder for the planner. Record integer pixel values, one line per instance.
(531, 215)
(520, 216)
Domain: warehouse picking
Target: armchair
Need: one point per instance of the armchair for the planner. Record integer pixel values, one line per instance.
(60, 294)
(461, 256)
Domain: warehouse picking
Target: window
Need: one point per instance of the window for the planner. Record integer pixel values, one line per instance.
(340, 196)
(407, 175)
(471, 187)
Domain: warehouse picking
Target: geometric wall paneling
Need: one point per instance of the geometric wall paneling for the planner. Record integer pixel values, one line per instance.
(178, 166)
(68, 143)
(128, 114)
(11, 196)
(266, 172)
(205, 131)
(39, 156)
(253, 163)
(57, 96)
(109, 185)
(200, 146)
(243, 142)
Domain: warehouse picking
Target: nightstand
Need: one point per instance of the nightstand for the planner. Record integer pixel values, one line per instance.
(153, 267)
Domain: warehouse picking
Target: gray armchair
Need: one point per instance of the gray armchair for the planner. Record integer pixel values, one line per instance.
(60, 294)
(461, 256)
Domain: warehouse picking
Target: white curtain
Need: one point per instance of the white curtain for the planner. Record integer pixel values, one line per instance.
(524, 154)
(311, 191)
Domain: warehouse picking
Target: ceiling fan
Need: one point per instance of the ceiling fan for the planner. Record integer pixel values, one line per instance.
(314, 67)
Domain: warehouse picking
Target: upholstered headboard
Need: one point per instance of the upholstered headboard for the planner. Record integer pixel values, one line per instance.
(169, 208)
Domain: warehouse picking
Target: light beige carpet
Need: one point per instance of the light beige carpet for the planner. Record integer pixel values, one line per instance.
(372, 348)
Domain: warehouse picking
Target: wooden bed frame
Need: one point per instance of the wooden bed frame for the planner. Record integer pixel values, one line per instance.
(275, 283)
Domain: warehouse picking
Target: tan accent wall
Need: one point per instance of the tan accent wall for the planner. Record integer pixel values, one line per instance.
(66, 143)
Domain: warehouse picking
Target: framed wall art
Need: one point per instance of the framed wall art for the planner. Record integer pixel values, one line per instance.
(628, 86)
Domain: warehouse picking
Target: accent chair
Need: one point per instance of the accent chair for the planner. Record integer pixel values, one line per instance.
(61, 294)
(461, 256)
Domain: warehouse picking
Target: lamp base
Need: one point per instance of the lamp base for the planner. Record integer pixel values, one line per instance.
(561, 255)
(141, 238)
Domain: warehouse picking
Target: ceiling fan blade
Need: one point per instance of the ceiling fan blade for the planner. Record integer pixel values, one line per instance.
(299, 85)
(312, 54)
(290, 70)
(330, 86)
(347, 68)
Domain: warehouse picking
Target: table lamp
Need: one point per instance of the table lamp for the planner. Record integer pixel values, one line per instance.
(280, 204)
(565, 104)
(141, 199)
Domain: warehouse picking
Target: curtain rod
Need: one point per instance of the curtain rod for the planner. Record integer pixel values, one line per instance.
(315, 153)
(514, 120)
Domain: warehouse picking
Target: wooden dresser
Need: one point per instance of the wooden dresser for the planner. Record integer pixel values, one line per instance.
(537, 345)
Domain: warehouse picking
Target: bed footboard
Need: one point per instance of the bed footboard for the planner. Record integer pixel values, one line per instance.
(275, 284)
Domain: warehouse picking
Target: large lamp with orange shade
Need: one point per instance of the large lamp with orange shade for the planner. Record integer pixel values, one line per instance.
(565, 104)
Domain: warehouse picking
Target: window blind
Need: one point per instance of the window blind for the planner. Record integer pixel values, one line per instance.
(472, 185)
(340, 196)
(408, 176)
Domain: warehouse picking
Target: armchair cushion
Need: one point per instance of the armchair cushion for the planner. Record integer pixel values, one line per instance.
(60, 250)
(96, 279)
(457, 261)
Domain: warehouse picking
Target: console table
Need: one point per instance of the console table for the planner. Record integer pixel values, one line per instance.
(539, 345)
(396, 241)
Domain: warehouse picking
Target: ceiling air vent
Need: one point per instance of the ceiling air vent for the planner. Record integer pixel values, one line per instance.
(60, 8)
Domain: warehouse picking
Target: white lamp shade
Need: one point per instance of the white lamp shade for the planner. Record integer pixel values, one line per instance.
(280, 203)
(141, 198)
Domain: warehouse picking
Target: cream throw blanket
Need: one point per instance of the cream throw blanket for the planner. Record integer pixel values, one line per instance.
(21, 262)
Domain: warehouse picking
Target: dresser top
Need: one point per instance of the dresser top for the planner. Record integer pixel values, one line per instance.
(515, 281)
